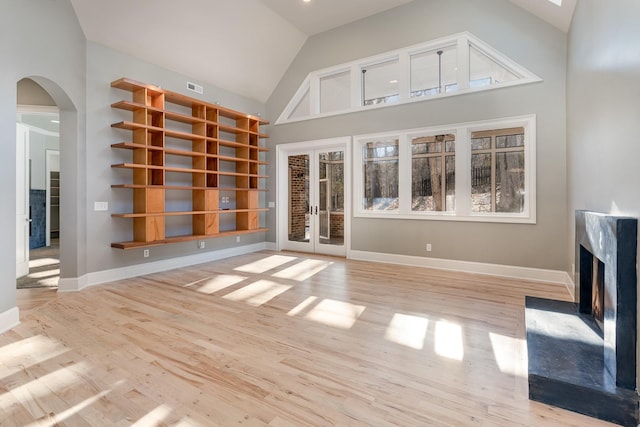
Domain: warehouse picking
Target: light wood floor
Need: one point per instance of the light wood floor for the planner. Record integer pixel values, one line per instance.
(277, 339)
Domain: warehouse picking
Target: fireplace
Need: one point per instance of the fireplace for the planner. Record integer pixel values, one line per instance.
(582, 356)
(597, 290)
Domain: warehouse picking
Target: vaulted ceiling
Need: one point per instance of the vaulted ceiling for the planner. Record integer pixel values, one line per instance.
(243, 46)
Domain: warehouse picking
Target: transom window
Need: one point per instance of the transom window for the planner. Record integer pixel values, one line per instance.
(449, 66)
(480, 171)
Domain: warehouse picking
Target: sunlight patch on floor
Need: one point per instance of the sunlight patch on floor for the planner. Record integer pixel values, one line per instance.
(44, 274)
(155, 417)
(303, 270)
(27, 352)
(189, 422)
(42, 386)
(448, 340)
(42, 262)
(265, 264)
(407, 330)
(510, 354)
(258, 293)
(334, 313)
(215, 284)
(58, 418)
(300, 307)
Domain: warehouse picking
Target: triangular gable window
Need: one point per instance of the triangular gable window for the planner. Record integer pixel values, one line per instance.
(302, 109)
(449, 66)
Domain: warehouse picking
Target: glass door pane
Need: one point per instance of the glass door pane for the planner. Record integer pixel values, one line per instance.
(331, 198)
(299, 206)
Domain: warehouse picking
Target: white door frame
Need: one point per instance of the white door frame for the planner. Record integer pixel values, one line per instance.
(282, 189)
(22, 200)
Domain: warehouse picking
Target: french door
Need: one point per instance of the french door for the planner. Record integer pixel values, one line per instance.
(313, 196)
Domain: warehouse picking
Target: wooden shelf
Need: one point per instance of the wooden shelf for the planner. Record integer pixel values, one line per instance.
(184, 213)
(180, 239)
(183, 187)
(220, 144)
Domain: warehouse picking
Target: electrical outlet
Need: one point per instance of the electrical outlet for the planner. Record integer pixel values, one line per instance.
(101, 206)
(237, 239)
(145, 253)
(428, 247)
(272, 204)
(201, 244)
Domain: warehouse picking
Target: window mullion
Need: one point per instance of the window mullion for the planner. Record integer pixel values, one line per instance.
(463, 172)
(405, 168)
(493, 173)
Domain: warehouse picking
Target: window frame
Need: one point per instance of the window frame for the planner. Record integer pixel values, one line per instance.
(463, 207)
(462, 41)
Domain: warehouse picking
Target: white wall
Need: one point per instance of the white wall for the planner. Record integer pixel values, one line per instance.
(603, 111)
(42, 40)
(524, 38)
(603, 104)
(105, 65)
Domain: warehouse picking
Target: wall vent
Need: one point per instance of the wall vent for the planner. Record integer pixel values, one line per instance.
(195, 88)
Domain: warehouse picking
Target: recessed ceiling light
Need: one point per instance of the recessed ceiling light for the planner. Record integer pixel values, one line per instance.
(55, 121)
(307, 1)
(393, 82)
(556, 2)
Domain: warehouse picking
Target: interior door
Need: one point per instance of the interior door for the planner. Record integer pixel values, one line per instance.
(314, 210)
(22, 200)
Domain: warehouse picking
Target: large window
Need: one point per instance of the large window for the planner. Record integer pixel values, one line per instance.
(480, 171)
(448, 66)
(433, 168)
(380, 175)
(497, 170)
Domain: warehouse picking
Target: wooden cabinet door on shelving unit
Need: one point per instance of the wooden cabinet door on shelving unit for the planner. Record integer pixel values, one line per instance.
(173, 135)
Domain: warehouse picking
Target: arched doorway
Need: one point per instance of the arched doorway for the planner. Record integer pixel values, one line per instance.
(71, 193)
(37, 190)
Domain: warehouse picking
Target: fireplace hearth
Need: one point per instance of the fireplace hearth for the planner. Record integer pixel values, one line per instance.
(582, 356)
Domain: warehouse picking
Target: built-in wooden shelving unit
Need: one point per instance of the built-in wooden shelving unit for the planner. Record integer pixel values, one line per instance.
(173, 135)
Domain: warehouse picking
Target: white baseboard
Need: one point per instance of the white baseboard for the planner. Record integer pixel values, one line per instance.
(571, 286)
(9, 319)
(272, 246)
(540, 275)
(95, 278)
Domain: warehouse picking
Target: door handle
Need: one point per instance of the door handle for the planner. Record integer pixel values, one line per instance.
(316, 210)
(310, 210)
(28, 220)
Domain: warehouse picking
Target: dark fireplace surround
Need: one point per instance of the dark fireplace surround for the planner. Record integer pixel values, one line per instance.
(582, 356)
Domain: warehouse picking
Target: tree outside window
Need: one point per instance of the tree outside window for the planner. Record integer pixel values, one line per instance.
(497, 170)
(381, 175)
(433, 164)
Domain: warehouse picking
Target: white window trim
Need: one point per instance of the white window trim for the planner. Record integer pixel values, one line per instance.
(463, 211)
(461, 40)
